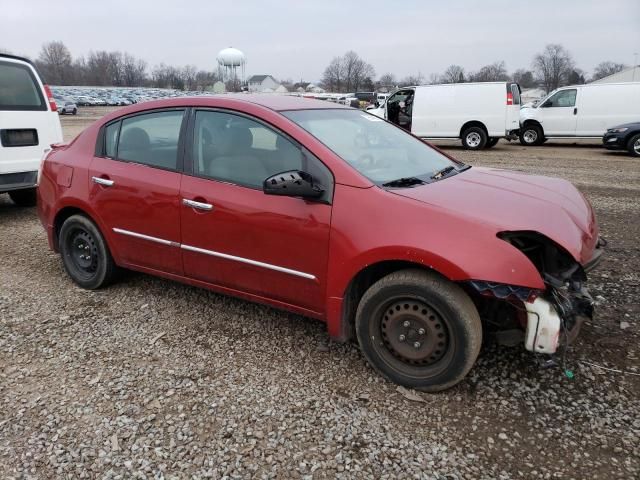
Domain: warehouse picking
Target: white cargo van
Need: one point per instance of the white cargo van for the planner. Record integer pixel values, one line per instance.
(477, 113)
(29, 125)
(580, 111)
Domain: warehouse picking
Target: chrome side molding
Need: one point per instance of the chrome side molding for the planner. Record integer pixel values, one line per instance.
(162, 241)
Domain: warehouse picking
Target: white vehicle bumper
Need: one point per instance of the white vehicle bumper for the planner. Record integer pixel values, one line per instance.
(543, 327)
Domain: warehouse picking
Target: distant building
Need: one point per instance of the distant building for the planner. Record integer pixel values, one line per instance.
(262, 83)
(631, 74)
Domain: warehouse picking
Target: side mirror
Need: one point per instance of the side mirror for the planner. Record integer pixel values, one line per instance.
(292, 183)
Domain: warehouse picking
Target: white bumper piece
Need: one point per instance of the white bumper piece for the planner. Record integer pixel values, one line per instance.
(543, 327)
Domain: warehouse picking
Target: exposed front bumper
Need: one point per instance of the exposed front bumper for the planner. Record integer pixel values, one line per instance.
(613, 141)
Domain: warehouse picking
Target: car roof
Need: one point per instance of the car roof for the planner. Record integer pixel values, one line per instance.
(273, 102)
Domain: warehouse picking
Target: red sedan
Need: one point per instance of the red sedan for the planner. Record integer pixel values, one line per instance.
(329, 212)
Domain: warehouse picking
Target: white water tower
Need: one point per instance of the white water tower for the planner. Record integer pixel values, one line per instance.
(230, 60)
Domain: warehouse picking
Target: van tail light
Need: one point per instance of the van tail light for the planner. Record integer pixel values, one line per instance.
(509, 98)
(50, 99)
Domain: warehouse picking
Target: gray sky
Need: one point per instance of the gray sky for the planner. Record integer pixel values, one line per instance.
(297, 39)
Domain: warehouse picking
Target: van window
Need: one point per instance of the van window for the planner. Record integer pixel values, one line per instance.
(515, 91)
(564, 98)
(19, 89)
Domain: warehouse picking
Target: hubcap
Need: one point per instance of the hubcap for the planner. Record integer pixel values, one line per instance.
(636, 146)
(414, 333)
(530, 136)
(83, 252)
(473, 139)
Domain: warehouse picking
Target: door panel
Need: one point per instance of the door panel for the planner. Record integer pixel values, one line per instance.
(238, 237)
(143, 205)
(558, 114)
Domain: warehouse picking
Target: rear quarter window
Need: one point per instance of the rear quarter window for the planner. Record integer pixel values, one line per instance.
(19, 89)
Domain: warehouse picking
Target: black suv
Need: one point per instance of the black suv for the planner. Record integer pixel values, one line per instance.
(623, 137)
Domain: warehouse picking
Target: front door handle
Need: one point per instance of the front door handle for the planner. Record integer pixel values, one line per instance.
(105, 182)
(575, 111)
(197, 205)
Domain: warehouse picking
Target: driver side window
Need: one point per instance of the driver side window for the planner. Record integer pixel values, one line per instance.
(565, 98)
(238, 150)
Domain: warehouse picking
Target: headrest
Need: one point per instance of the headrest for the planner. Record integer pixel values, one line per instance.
(134, 139)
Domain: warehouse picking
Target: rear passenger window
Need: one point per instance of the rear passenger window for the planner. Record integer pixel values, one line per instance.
(111, 139)
(151, 139)
(239, 150)
(19, 89)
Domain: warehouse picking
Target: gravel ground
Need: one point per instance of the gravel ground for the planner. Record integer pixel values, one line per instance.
(153, 379)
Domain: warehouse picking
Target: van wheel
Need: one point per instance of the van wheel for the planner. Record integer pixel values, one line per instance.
(75, 110)
(634, 146)
(492, 142)
(531, 135)
(419, 330)
(24, 198)
(474, 138)
(85, 254)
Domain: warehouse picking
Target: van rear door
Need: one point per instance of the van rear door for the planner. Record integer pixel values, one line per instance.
(512, 121)
(28, 125)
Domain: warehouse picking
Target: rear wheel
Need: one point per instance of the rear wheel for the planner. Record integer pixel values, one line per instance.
(24, 198)
(419, 330)
(85, 254)
(75, 110)
(531, 135)
(633, 146)
(474, 138)
(492, 142)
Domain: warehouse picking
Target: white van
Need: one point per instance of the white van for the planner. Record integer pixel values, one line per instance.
(477, 113)
(29, 124)
(580, 111)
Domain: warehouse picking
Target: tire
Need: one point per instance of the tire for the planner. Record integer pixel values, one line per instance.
(424, 308)
(633, 146)
(85, 254)
(75, 110)
(24, 198)
(532, 135)
(491, 142)
(474, 138)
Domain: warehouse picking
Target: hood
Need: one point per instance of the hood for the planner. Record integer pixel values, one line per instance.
(511, 201)
(628, 125)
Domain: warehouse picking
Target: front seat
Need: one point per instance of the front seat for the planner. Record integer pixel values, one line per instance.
(134, 145)
(238, 162)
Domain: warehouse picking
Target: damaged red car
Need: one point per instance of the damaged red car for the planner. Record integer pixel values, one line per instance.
(331, 213)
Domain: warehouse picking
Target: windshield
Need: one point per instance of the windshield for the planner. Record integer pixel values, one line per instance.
(379, 150)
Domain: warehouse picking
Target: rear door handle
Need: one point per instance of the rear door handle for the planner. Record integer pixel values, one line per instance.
(575, 111)
(197, 205)
(102, 181)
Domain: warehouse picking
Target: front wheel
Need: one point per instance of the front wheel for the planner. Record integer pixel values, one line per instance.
(474, 138)
(24, 198)
(531, 135)
(419, 330)
(634, 146)
(85, 254)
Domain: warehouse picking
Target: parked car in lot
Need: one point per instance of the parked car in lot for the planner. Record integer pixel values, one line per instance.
(66, 106)
(329, 212)
(623, 137)
(477, 113)
(29, 124)
(580, 111)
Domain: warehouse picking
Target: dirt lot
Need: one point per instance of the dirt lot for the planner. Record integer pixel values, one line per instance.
(153, 379)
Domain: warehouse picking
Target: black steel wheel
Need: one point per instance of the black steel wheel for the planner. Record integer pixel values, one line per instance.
(419, 330)
(85, 254)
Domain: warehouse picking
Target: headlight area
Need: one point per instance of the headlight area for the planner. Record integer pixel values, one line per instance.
(542, 319)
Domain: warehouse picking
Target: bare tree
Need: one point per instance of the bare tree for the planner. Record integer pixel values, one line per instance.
(133, 71)
(348, 73)
(524, 78)
(411, 80)
(553, 66)
(496, 72)
(434, 79)
(54, 61)
(604, 69)
(453, 74)
(387, 80)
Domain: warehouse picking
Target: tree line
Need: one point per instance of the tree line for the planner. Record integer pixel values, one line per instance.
(552, 68)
